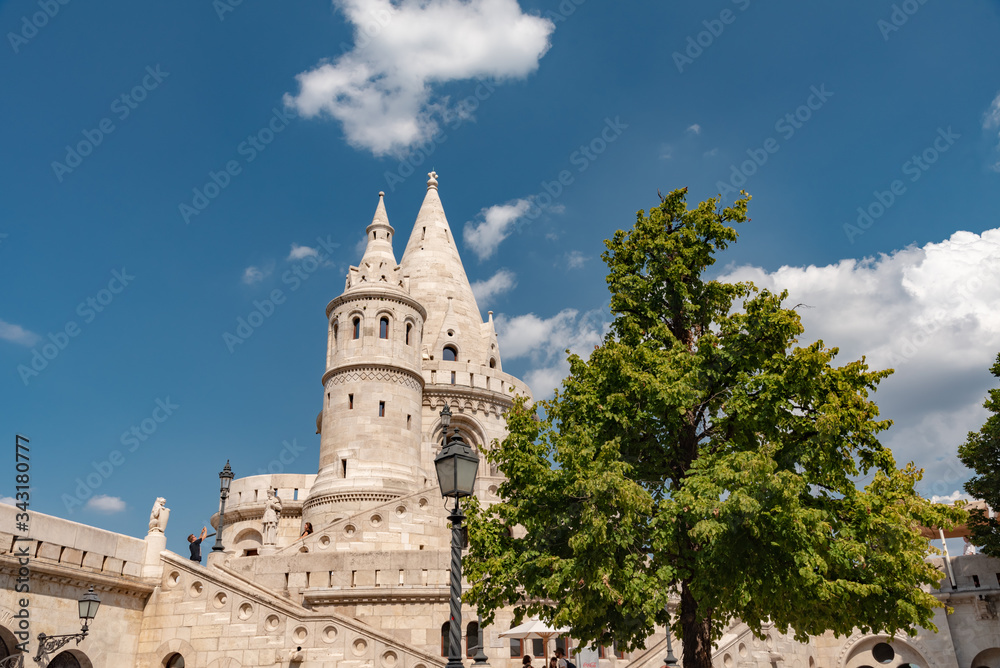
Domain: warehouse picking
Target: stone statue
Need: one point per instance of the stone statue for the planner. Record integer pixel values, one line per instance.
(272, 510)
(158, 516)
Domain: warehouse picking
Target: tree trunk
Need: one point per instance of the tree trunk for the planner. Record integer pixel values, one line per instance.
(697, 641)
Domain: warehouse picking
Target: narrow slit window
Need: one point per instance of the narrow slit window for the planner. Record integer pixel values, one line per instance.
(401, 576)
(350, 401)
(408, 328)
(452, 377)
(383, 328)
(354, 578)
(381, 409)
(408, 421)
(343, 466)
(493, 363)
(357, 328)
(378, 578)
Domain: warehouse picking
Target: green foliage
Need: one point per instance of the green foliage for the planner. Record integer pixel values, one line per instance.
(699, 451)
(981, 453)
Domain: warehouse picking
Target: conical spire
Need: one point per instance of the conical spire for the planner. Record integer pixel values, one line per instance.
(437, 279)
(378, 264)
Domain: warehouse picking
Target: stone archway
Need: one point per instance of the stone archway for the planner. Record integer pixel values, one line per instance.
(883, 652)
(70, 658)
(171, 647)
(988, 658)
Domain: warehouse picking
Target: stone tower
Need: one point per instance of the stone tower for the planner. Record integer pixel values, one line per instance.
(372, 387)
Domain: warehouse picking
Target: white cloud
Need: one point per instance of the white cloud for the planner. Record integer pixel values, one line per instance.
(382, 91)
(575, 259)
(711, 154)
(957, 495)
(544, 342)
(253, 274)
(497, 284)
(932, 314)
(496, 224)
(696, 129)
(9, 500)
(991, 121)
(17, 334)
(108, 505)
(298, 252)
(666, 152)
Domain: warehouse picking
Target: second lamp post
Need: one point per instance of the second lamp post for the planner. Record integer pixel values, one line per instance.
(456, 466)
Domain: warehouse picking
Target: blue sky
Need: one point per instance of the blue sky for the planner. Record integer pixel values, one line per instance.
(169, 166)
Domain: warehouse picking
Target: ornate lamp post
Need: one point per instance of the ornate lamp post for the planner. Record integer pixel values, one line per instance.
(480, 659)
(670, 660)
(47, 645)
(225, 477)
(456, 467)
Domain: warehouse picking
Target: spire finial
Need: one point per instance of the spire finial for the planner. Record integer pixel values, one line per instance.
(381, 193)
(432, 181)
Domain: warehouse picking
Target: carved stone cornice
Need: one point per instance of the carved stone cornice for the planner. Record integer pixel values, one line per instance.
(43, 570)
(376, 292)
(405, 374)
(318, 596)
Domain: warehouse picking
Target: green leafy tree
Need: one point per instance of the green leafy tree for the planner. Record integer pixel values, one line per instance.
(981, 453)
(698, 451)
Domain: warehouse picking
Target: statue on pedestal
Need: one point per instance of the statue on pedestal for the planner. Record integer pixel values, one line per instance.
(158, 516)
(272, 510)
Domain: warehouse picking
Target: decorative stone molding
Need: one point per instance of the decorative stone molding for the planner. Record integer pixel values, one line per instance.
(354, 374)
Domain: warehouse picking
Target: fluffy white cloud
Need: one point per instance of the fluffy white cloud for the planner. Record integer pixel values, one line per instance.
(382, 91)
(497, 284)
(495, 224)
(108, 505)
(696, 129)
(17, 334)
(991, 121)
(932, 314)
(253, 274)
(575, 259)
(957, 495)
(9, 500)
(298, 252)
(544, 342)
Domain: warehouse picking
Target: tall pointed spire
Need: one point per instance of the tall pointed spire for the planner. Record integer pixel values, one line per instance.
(438, 280)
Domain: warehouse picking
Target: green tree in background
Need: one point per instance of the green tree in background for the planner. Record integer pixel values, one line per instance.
(699, 451)
(981, 453)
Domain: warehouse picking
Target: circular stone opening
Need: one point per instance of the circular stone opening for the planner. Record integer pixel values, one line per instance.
(300, 634)
(359, 646)
(349, 530)
(196, 589)
(422, 502)
(883, 652)
(245, 611)
(376, 520)
(400, 511)
(727, 661)
(173, 579)
(220, 599)
(324, 542)
(743, 650)
(330, 634)
(389, 659)
(271, 623)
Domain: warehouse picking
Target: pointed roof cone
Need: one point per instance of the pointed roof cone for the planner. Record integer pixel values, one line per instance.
(437, 279)
(379, 248)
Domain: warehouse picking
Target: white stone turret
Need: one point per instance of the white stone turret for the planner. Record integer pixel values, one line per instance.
(372, 387)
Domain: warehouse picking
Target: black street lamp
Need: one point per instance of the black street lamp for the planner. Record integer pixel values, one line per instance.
(480, 659)
(225, 477)
(89, 604)
(456, 467)
(670, 660)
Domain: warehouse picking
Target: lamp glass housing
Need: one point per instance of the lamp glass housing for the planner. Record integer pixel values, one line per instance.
(456, 467)
(226, 477)
(88, 606)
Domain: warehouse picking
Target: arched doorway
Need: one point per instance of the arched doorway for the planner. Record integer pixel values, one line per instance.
(71, 658)
(988, 658)
(881, 652)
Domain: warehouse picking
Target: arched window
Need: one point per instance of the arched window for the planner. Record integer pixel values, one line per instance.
(408, 328)
(383, 328)
(357, 328)
(445, 629)
(471, 639)
(334, 332)
(493, 362)
(175, 661)
(67, 660)
(449, 354)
